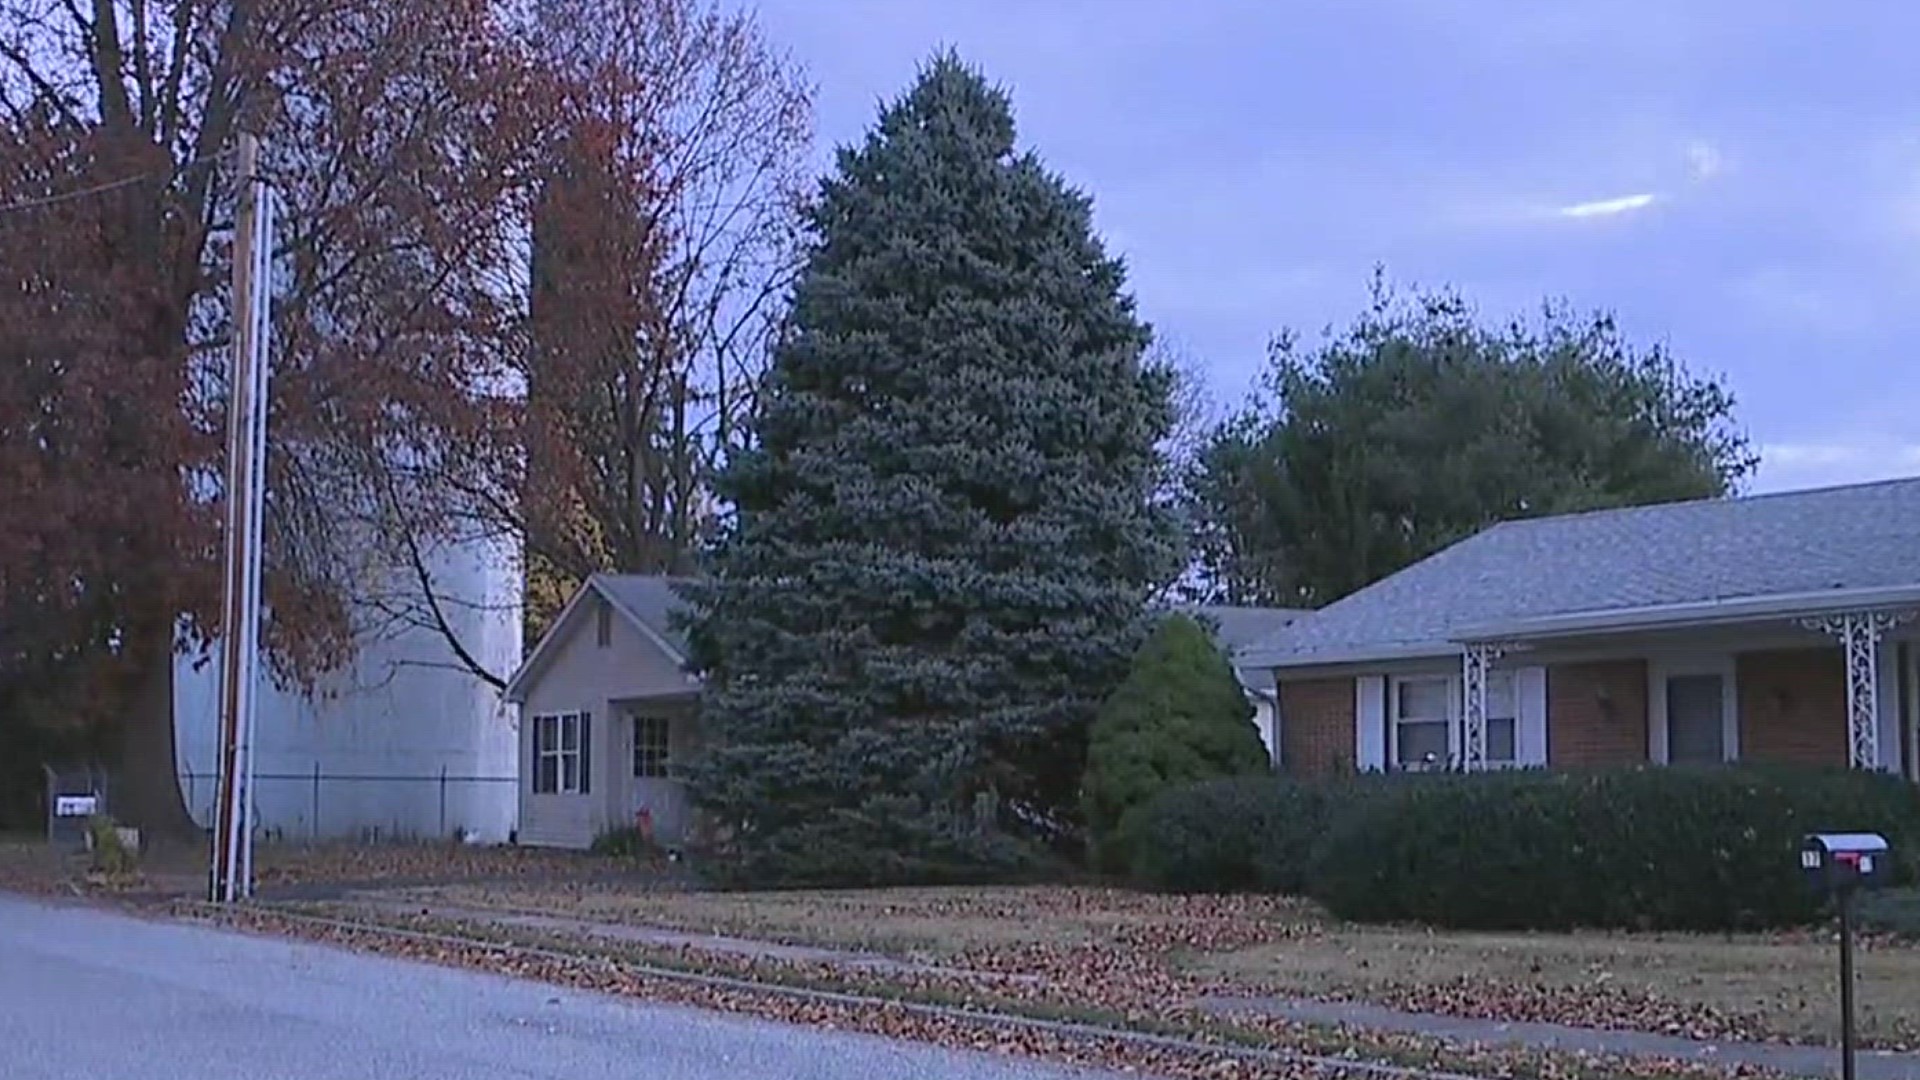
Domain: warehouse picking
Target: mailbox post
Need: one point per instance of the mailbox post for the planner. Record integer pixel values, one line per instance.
(1838, 865)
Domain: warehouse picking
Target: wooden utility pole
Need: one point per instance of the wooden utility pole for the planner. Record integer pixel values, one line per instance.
(232, 878)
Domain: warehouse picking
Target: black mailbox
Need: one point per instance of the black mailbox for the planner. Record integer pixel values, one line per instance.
(1842, 862)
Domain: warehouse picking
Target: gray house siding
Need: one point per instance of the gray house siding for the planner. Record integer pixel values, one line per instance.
(664, 798)
(582, 675)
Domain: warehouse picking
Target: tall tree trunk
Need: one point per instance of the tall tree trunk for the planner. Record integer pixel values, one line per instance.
(146, 781)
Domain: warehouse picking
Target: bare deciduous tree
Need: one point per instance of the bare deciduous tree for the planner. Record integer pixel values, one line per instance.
(661, 245)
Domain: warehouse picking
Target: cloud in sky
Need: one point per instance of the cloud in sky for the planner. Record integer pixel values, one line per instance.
(1785, 466)
(1704, 160)
(1625, 204)
(1253, 162)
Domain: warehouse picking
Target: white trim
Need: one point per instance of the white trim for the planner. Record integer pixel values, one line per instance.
(1369, 723)
(1455, 718)
(1449, 719)
(1706, 612)
(1686, 615)
(559, 752)
(1533, 728)
(640, 721)
(516, 689)
(1662, 668)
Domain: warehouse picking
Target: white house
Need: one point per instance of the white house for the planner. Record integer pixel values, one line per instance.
(401, 743)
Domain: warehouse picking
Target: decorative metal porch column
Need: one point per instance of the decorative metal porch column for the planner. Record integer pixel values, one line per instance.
(1475, 661)
(1860, 633)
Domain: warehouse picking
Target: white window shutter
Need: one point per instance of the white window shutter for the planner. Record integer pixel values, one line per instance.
(1530, 735)
(1370, 723)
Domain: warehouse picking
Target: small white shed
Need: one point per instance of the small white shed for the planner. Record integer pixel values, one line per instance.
(608, 712)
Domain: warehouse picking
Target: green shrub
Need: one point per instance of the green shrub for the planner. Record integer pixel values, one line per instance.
(1179, 716)
(1642, 848)
(888, 841)
(1894, 912)
(107, 853)
(1244, 834)
(625, 842)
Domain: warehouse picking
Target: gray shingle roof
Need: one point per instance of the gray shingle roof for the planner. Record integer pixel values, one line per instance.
(1859, 536)
(648, 598)
(1236, 628)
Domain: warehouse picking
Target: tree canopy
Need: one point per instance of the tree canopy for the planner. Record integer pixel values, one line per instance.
(396, 139)
(1419, 425)
(944, 536)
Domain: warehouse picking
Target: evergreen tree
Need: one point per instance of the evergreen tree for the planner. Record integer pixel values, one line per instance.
(1421, 425)
(1179, 717)
(945, 534)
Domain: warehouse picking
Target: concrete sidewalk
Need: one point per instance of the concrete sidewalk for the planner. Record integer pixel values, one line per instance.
(637, 934)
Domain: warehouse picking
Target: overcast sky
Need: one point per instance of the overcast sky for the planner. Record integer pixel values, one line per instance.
(1739, 179)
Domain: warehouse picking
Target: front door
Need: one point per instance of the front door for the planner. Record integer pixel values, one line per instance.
(1696, 712)
(658, 795)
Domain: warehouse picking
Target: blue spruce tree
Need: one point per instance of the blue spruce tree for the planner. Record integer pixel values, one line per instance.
(945, 535)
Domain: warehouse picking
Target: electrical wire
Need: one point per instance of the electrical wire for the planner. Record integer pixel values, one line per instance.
(111, 185)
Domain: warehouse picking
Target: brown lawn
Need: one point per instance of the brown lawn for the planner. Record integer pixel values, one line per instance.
(1779, 986)
(177, 869)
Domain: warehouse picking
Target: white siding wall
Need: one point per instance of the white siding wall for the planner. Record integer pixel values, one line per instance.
(1266, 719)
(581, 675)
(397, 716)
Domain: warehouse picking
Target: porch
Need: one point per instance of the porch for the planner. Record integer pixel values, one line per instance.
(1761, 680)
(1812, 687)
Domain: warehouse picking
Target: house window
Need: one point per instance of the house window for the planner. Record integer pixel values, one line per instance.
(560, 756)
(650, 745)
(1422, 722)
(602, 624)
(1428, 721)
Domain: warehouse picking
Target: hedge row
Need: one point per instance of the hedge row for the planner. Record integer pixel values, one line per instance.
(1639, 848)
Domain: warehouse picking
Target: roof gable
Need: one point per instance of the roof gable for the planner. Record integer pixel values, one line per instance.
(645, 602)
(1860, 536)
(650, 602)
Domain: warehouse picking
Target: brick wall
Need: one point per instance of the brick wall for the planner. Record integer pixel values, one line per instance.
(1316, 726)
(1793, 706)
(1597, 713)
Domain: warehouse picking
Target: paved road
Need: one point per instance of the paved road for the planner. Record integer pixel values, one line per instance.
(88, 995)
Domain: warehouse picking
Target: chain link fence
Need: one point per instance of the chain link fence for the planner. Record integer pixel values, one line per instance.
(321, 805)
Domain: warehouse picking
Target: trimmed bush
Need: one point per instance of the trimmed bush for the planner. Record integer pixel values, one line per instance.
(1894, 912)
(1245, 834)
(888, 841)
(1179, 716)
(1644, 848)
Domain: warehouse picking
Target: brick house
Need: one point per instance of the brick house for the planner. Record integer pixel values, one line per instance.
(1767, 628)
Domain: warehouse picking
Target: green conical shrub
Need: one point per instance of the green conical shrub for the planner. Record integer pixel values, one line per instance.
(1180, 716)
